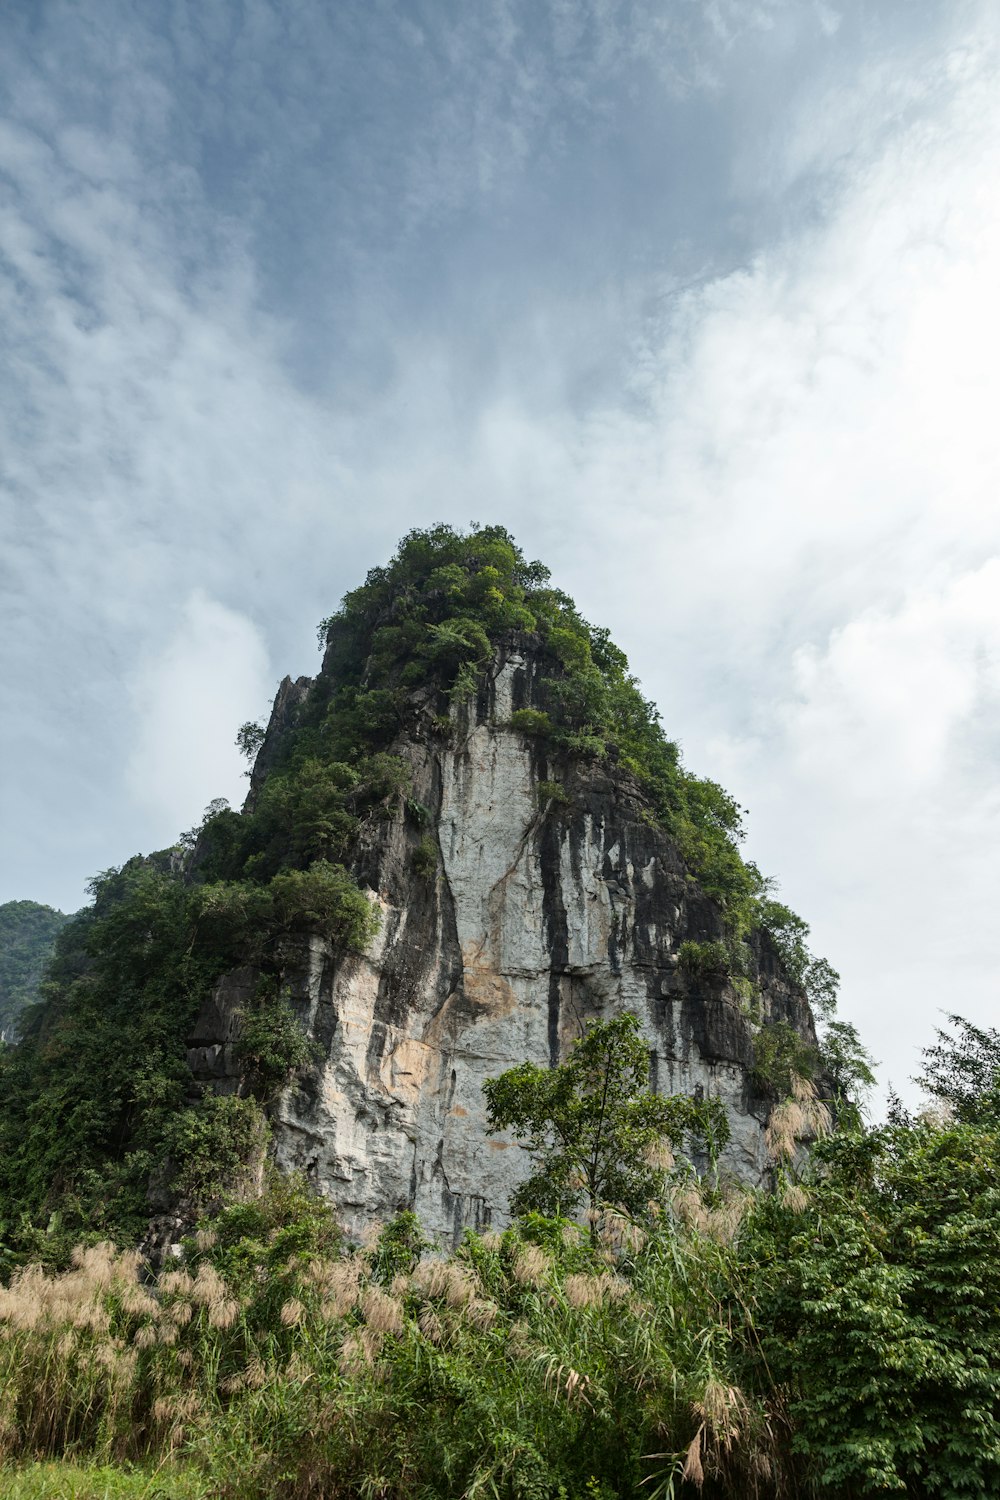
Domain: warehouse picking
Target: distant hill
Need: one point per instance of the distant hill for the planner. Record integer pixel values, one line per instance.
(27, 934)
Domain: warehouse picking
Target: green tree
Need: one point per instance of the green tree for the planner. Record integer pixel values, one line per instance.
(877, 1310)
(592, 1126)
(963, 1072)
(249, 738)
(271, 1044)
(848, 1063)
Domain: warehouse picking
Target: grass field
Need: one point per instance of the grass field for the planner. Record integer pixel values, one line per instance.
(66, 1481)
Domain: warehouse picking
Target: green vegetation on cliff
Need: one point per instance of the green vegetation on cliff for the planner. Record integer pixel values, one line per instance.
(595, 1133)
(433, 617)
(27, 935)
(835, 1333)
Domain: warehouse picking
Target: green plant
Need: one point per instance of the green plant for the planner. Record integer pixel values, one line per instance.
(257, 1242)
(962, 1071)
(420, 814)
(271, 1044)
(780, 1056)
(705, 960)
(592, 1126)
(529, 1363)
(789, 932)
(551, 791)
(877, 1311)
(73, 1481)
(249, 738)
(28, 933)
(531, 721)
(216, 1147)
(848, 1064)
(425, 858)
(398, 1249)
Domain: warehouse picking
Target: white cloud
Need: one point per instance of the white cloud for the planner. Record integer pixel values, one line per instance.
(211, 675)
(787, 511)
(894, 695)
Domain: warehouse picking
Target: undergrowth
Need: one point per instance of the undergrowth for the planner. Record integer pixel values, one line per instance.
(527, 1364)
(836, 1336)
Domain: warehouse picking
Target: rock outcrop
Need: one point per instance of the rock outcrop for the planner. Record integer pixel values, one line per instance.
(517, 901)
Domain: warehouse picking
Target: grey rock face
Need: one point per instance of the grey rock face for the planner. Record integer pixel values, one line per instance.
(541, 914)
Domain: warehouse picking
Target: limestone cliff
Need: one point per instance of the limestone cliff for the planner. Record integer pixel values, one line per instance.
(518, 898)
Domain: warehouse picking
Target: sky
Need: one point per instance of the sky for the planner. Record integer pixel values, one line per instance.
(698, 297)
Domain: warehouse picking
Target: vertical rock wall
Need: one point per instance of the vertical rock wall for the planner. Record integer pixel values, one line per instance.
(540, 915)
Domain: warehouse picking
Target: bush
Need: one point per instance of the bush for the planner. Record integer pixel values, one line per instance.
(780, 1056)
(216, 1147)
(531, 721)
(525, 1364)
(710, 960)
(425, 858)
(878, 1311)
(271, 1044)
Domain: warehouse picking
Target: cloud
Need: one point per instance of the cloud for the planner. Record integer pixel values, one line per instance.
(211, 675)
(896, 696)
(278, 287)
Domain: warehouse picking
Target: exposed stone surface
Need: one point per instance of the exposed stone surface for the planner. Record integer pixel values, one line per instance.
(541, 914)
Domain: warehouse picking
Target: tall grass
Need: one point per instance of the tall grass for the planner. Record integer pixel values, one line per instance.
(529, 1364)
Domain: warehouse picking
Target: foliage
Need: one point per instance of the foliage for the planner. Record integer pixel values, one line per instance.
(27, 936)
(89, 1094)
(531, 721)
(592, 1126)
(249, 738)
(92, 1094)
(789, 932)
(962, 1071)
(705, 960)
(431, 619)
(839, 1336)
(877, 1308)
(271, 1044)
(780, 1056)
(258, 1241)
(848, 1064)
(214, 1147)
(72, 1481)
(398, 1248)
(425, 857)
(841, 1055)
(513, 1367)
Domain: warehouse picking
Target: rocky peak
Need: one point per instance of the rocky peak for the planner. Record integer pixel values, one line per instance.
(522, 891)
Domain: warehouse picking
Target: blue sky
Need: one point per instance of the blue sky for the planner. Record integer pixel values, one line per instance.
(698, 297)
